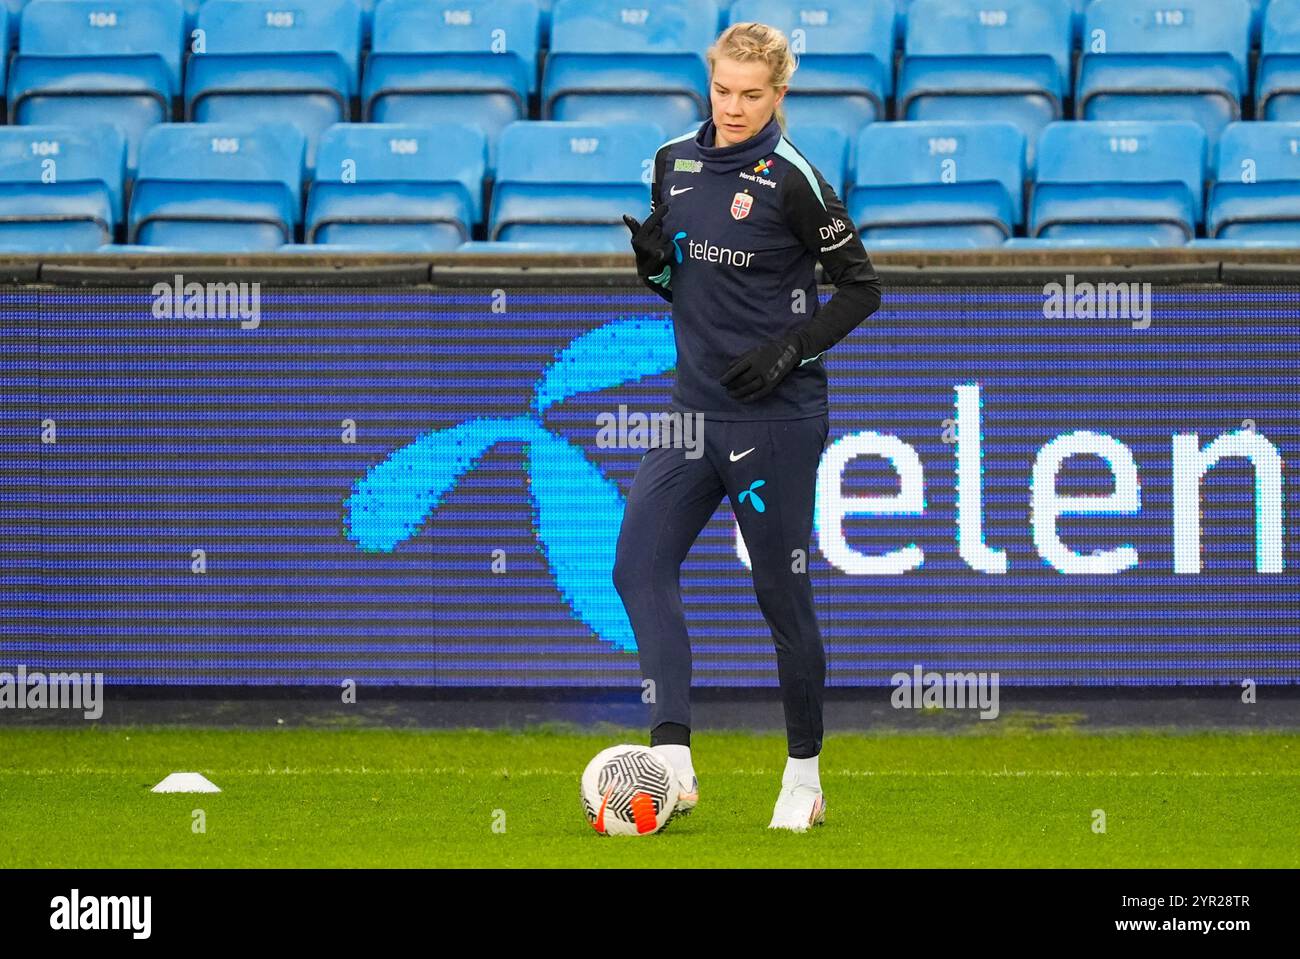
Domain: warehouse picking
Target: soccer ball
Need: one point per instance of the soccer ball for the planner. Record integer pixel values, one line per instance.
(628, 791)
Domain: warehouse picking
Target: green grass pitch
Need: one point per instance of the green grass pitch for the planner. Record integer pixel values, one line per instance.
(1021, 796)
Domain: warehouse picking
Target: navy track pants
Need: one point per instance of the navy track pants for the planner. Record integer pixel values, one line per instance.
(768, 470)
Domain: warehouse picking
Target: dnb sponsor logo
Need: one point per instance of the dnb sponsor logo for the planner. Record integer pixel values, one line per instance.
(922, 690)
(208, 301)
(828, 232)
(103, 913)
(84, 691)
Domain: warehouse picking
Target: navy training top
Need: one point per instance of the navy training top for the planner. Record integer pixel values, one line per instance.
(748, 223)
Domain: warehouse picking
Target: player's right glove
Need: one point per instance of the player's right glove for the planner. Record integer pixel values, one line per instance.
(654, 252)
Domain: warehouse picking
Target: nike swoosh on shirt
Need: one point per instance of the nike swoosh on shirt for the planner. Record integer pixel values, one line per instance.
(673, 191)
(734, 457)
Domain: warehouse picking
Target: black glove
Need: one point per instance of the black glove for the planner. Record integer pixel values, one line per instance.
(653, 250)
(757, 373)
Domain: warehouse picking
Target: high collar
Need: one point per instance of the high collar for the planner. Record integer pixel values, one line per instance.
(728, 158)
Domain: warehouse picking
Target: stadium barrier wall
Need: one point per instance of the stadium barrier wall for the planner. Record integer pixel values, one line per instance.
(392, 471)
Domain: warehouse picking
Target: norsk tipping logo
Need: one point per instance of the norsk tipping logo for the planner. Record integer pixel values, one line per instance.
(387, 507)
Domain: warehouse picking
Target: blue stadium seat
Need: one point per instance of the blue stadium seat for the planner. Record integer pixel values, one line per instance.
(1277, 87)
(1004, 61)
(223, 187)
(939, 183)
(846, 69)
(397, 186)
(80, 61)
(609, 61)
(60, 187)
(826, 148)
(457, 61)
(1119, 182)
(571, 182)
(265, 63)
(1255, 194)
(1162, 61)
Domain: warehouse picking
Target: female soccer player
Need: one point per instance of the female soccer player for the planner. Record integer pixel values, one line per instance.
(738, 219)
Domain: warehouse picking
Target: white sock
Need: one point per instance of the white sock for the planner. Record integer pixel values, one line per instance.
(679, 757)
(801, 772)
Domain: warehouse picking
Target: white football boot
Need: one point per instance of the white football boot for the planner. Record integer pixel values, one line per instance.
(798, 807)
(688, 794)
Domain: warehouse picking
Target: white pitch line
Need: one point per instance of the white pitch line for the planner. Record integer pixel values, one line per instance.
(513, 773)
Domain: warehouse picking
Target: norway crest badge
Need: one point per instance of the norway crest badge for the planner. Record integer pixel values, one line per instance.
(740, 205)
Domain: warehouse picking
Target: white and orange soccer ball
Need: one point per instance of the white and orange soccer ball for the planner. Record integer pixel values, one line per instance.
(628, 791)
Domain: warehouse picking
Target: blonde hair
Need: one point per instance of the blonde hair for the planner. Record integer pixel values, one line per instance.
(751, 41)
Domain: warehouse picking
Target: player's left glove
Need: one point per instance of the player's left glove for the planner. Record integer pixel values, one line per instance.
(757, 373)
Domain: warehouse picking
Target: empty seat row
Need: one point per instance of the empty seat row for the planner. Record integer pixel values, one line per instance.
(953, 183)
(15, 9)
(235, 187)
(902, 7)
(431, 61)
(225, 187)
(1014, 61)
(477, 61)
